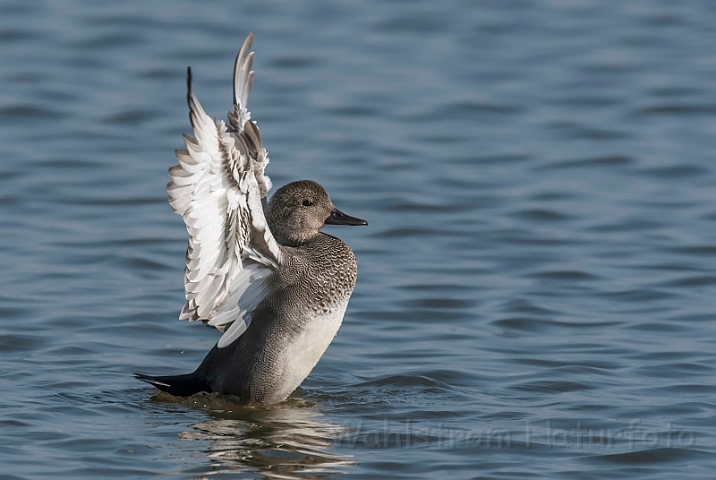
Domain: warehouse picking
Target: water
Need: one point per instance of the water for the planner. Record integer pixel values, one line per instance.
(536, 286)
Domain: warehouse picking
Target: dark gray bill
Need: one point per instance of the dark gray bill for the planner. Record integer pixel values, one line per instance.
(339, 218)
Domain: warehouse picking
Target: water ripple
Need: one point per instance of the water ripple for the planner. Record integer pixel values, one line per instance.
(539, 182)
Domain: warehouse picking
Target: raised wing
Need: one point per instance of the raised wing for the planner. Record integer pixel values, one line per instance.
(239, 115)
(218, 187)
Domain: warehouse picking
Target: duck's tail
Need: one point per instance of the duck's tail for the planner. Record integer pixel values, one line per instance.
(177, 385)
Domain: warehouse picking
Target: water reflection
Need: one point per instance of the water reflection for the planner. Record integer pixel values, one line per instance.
(290, 440)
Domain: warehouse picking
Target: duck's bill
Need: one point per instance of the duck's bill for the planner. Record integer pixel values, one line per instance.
(339, 218)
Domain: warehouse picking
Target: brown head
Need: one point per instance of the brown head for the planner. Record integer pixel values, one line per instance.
(299, 210)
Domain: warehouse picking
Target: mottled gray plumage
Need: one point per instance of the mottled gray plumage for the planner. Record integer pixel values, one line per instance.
(272, 281)
(318, 278)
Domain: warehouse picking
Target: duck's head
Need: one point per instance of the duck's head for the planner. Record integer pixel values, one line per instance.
(299, 210)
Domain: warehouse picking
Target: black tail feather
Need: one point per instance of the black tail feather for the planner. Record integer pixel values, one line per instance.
(177, 385)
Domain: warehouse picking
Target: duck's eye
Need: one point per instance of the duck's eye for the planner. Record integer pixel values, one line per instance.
(307, 203)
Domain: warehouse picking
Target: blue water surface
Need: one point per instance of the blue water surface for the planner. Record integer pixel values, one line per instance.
(536, 291)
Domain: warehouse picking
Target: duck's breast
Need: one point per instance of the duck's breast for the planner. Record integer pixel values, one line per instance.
(303, 351)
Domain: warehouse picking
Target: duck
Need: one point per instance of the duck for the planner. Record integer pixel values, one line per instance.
(261, 271)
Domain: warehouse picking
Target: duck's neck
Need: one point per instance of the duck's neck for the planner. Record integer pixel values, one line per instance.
(295, 239)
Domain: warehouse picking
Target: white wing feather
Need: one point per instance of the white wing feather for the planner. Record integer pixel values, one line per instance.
(218, 188)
